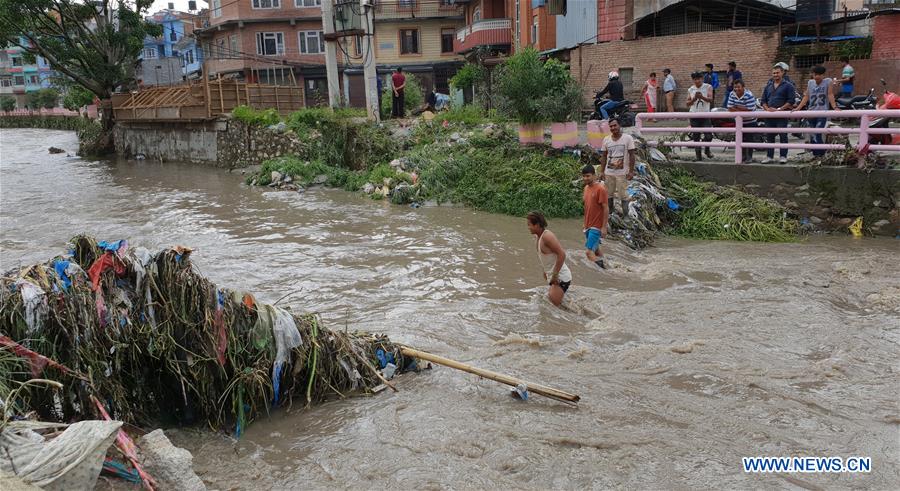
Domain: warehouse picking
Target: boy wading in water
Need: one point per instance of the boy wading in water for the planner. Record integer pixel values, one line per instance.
(552, 257)
(596, 214)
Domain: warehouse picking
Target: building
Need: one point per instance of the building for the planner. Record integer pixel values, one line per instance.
(416, 35)
(18, 78)
(499, 27)
(174, 56)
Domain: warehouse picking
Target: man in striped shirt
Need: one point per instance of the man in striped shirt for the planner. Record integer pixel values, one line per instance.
(739, 100)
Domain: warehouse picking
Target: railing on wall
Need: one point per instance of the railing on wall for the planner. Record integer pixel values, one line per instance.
(862, 131)
(204, 100)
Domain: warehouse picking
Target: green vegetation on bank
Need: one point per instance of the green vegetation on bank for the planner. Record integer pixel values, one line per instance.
(70, 123)
(460, 159)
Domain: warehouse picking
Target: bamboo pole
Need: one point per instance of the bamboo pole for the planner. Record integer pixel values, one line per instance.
(497, 377)
(221, 95)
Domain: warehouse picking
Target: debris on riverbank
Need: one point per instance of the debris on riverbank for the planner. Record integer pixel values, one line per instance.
(155, 341)
(484, 166)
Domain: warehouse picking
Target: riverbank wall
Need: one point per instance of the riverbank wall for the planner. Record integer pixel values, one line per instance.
(225, 142)
(829, 198)
(71, 123)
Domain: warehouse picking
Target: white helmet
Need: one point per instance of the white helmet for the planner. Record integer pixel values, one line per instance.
(782, 65)
(613, 75)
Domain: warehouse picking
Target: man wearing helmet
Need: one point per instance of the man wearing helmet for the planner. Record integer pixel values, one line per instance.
(616, 94)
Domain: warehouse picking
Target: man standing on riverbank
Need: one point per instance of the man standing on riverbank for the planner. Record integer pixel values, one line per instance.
(552, 257)
(398, 83)
(778, 95)
(617, 165)
(700, 97)
(596, 214)
(669, 87)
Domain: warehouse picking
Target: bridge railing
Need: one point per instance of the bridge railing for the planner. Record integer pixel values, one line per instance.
(862, 130)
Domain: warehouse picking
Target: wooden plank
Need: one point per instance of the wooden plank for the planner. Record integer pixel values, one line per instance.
(206, 90)
(221, 97)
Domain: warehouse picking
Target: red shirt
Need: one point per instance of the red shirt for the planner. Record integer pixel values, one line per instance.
(398, 79)
(595, 197)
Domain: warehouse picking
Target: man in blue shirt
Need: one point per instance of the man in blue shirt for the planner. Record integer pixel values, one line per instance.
(669, 87)
(779, 95)
(712, 78)
(732, 75)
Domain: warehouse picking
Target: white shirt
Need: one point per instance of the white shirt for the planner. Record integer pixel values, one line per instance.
(617, 158)
(700, 106)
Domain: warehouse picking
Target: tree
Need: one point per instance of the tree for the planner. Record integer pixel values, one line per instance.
(77, 97)
(7, 103)
(95, 43)
(44, 98)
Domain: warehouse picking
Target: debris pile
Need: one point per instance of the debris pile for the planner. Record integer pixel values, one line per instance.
(155, 341)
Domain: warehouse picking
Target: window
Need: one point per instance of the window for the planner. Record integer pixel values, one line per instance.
(189, 56)
(269, 43)
(476, 16)
(234, 45)
(220, 48)
(307, 3)
(809, 61)
(5, 82)
(409, 41)
(33, 80)
(266, 4)
(311, 42)
(149, 53)
(408, 4)
(359, 45)
(447, 40)
(18, 80)
(448, 3)
(16, 61)
(216, 6)
(534, 29)
(173, 36)
(626, 76)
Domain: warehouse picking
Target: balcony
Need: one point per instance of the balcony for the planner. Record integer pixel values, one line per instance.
(487, 32)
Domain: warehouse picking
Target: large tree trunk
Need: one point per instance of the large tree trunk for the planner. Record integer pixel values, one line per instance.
(98, 142)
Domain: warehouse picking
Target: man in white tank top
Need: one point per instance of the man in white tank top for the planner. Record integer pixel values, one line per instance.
(552, 257)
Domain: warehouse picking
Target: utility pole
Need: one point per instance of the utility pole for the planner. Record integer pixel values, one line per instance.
(331, 70)
(370, 73)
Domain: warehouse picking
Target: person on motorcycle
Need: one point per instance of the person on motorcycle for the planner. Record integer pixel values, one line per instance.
(818, 97)
(616, 94)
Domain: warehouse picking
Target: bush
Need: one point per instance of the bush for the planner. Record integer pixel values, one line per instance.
(414, 96)
(468, 114)
(467, 76)
(77, 97)
(252, 116)
(563, 104)
(521, 82)
(43, 98)
(7, 103)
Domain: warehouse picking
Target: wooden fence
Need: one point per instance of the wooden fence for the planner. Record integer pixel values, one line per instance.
(204, 100)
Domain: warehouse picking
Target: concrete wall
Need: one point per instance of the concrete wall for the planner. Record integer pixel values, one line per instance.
(830, 197)
(223, 143)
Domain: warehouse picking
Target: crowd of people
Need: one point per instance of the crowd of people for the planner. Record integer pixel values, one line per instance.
(780, 93)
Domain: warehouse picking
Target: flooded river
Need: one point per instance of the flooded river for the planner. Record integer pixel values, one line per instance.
(687, 356)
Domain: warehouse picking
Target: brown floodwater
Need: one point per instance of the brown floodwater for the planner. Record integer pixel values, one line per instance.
(687, 356)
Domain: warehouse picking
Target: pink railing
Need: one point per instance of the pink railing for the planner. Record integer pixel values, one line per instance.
(862, 131)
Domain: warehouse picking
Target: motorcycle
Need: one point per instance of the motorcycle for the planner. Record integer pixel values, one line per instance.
(857, 101)
(891, 101)
(622, 112)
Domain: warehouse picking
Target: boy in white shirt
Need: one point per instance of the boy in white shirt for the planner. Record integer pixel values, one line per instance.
(700, 96)
(617, 164)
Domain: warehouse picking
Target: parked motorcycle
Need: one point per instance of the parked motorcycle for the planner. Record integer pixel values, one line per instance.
(857, 102)
(622, 112)
(891, 101)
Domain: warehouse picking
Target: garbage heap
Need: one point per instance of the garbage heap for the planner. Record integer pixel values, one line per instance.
(155, 341)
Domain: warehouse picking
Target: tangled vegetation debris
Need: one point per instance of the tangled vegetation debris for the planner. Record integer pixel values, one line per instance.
(155, 340)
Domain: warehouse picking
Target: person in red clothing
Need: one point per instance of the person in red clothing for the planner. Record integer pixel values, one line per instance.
(596, 214)
(398, 81)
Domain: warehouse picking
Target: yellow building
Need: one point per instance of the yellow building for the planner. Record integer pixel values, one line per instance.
(416, 35)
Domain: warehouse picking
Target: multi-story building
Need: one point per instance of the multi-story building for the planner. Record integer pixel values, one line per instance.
(18, 78)
(501, 26)
(174, 55)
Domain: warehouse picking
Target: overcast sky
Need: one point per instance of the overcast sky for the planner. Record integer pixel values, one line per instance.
(179, 5)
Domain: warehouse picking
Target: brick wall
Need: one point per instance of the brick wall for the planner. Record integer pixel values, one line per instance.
(753, 50)
(886, 33)
(611, 19)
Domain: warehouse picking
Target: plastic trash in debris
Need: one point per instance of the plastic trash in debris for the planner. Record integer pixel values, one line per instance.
(672, 204)
(856, 227)
(520, 392)
(389, 370)
(384, 357)
(658, 156)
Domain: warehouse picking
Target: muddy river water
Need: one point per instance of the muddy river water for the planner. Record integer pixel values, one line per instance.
(687, 356)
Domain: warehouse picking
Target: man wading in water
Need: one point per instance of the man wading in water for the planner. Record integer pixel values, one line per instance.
(552, 257)
(596, 214)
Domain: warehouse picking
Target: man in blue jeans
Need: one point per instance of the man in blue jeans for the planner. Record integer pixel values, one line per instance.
(778, 95)
(616, 94)
(818, 97)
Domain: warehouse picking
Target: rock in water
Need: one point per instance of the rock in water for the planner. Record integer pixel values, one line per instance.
(276, 177)
(172, 467)
(55, 150)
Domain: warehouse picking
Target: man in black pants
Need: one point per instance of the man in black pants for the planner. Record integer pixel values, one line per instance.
(700, 97)
(398, 83)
